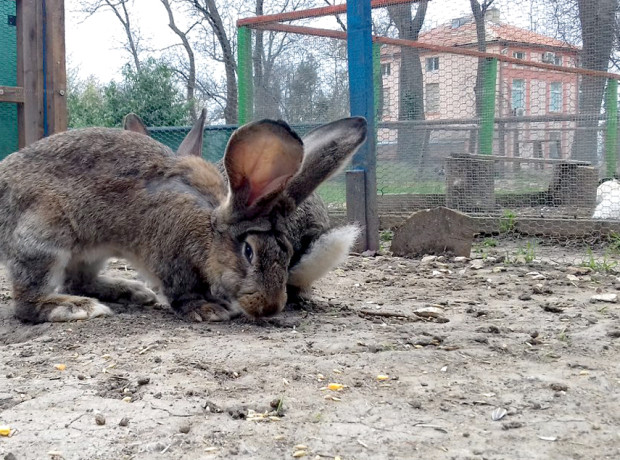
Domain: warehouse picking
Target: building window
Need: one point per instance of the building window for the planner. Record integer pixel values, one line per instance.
(432, 64)
(557, 60)
(386, 69)
(432, 97)
(555, 97)
(518, 55)
(518, 94)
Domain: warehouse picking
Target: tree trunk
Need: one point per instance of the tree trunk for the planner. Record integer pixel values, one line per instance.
(479, 13)
(260, 90)
(411, 143)
(212, 15)
(191, 76)
(597, 20)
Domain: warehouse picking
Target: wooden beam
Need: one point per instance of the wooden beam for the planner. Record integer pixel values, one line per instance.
(13, 94)
(56, 69)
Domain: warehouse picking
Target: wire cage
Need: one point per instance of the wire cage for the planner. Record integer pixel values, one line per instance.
(495, 112)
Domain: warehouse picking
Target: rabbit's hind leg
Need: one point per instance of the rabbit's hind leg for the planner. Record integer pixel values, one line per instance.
(82, 277)
(35, 274)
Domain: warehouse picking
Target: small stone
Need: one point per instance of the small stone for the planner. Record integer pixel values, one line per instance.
(100, 419)
(428, 259)
(81, 377)
(124, 421)
(429, 312)
(612, 298)
(184, 428)
(525, 296)
(558, 387)
(143, 380)
(476, 264)
(10, 456)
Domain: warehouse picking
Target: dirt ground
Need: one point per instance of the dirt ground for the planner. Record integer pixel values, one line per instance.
(520, 342)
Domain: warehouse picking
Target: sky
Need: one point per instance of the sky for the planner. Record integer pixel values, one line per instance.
(94, 44)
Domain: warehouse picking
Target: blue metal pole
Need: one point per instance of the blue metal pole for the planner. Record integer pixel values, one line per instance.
(361, 96)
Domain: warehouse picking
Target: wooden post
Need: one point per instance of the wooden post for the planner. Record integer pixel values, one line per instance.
(56, 70)
(611, 131)
(245, 102)
(30, 70)
(356, 204)
(361, 95)
(487, 117)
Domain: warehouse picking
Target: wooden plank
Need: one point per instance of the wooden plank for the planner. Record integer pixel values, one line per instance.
(56, 68)
(19, 27)
(526, 226)
(550, 161)
(30, 70)
(13, 94)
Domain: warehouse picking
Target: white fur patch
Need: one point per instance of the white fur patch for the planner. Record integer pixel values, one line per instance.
(327, 252)
(63, 313)
(608, 199)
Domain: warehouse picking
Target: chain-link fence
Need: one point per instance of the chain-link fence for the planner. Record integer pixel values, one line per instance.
(496, 111)
(8, 76)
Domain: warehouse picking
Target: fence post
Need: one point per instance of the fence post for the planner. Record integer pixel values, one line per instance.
(487, 117)
(244, 70)
(377, 79)
(361, 94)
(611, 131)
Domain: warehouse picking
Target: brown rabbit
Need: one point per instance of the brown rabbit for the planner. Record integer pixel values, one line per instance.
(215, 248)
(317, 248)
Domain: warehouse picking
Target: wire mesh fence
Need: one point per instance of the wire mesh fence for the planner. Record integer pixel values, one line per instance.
(8, 76)
(496, 111)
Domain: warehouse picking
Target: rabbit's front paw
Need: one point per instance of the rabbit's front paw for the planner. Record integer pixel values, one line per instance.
(208, 311)
(59, 308)
(211, 310)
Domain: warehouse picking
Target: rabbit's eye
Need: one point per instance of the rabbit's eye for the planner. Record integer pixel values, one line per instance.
(248, 252)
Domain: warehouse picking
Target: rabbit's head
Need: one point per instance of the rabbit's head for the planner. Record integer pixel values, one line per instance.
(269, 176)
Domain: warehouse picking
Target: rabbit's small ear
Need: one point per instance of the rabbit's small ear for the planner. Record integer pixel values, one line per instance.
(260, 159)
(328, 150)
(192, 144)
(133, 122)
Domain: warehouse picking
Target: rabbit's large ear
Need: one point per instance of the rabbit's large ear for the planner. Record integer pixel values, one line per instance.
(192, 144)
(133, 122)
(260, 159)
(328, 149)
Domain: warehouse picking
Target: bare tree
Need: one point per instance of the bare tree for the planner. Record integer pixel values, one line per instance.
(479, 11)
(190, 76)
(119, 8)
(411, 86)
(597, 21)
(208, 9)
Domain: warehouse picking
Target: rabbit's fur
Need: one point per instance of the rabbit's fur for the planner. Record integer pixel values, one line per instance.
(317, 248)
(607, 200)
(216, 248)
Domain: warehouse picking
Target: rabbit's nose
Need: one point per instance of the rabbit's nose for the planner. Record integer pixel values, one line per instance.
(262, 304)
